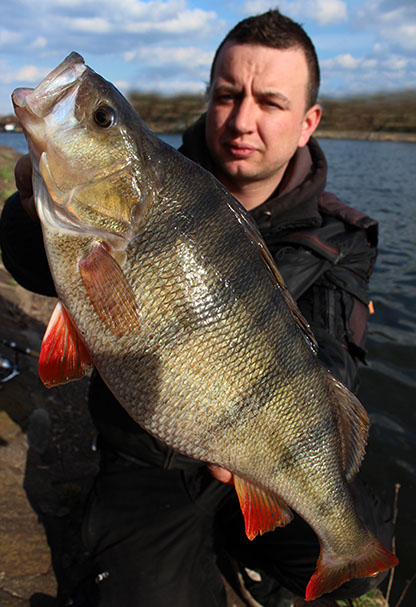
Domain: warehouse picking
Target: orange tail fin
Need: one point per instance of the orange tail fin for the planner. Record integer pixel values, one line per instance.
(331, 573)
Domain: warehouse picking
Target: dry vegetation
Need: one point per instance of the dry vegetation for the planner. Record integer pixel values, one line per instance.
(393, 113)
(168, 114)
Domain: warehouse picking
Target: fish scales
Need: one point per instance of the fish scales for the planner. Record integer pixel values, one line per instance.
(171, 289)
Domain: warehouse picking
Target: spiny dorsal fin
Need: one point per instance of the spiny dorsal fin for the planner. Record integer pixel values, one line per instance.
(109, 291)
(262, 510)
(353, 425)
(63, 356)
(256, 238)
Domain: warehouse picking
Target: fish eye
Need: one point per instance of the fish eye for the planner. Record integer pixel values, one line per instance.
(105, 116)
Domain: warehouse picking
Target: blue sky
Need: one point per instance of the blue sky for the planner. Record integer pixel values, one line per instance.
(167, 45)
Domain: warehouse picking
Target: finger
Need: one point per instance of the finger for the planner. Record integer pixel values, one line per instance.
(23, 178)
(221, 474)
(23, 175)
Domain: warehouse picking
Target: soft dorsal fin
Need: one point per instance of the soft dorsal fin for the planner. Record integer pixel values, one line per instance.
(109, 291)
(63, 356)
(256, 238)
(353, 426)
(262, 510)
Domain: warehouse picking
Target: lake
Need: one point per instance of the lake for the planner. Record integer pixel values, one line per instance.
(379, 178)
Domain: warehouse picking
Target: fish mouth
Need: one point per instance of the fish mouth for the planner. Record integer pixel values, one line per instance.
(40, 101)
(32, 106)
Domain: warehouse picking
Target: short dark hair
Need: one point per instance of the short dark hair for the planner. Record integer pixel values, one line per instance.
(276, 31)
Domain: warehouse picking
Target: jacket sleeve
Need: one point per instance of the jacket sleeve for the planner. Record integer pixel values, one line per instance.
(22, 248)
(327, 271)
(336, 306)
(337, 359)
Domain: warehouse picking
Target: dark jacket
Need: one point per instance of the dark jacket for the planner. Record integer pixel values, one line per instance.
(321, 247)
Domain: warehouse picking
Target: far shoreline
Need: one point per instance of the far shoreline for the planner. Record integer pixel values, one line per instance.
(404, 137)
(366, 136)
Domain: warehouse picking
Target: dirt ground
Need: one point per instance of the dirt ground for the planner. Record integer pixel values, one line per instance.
(46, 461)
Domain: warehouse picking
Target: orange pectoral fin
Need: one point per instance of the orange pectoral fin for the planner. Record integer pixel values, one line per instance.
(63, 356)
(262, 510)
(109, 291)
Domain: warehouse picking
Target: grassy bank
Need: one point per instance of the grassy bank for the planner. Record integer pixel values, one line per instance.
(8, 158)
(393, 113)
(382, 117)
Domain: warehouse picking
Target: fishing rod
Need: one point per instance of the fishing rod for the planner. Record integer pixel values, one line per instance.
(9, 367)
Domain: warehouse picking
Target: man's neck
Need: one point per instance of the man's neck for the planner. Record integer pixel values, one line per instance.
(252, 194)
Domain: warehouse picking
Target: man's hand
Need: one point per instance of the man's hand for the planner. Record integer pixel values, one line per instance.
(221, 474)
(23, 178)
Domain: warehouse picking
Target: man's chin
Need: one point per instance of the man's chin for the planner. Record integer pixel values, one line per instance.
(239, 170)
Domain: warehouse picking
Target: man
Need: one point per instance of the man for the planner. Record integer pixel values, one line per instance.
(158, 525)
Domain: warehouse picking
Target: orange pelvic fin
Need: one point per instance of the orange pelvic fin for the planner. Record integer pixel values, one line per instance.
(331, 572)
(109, 291)
(63, 356)
(262, 510)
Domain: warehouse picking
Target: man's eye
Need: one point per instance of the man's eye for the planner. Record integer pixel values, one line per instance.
(270, 104)
(224, 98)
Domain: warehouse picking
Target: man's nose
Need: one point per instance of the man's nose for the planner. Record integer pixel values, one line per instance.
(243, 116)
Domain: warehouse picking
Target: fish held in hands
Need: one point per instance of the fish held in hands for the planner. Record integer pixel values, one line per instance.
(165, 285)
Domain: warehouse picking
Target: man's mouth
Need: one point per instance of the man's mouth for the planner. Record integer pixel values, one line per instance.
(240, 150)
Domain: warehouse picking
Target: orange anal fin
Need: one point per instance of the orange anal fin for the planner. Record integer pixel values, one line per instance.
(331, 572)
(262, 510)
(63, 356)
(109, 291)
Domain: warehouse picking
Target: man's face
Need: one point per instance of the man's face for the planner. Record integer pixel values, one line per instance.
(257, 115)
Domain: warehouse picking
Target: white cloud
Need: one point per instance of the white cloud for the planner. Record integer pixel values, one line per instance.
(323, 12)
(181, 56)
(186, 21)
(30, 73)
(403, 36)
(39, 42)
(347, 61)
(384, 55)
(65, 21)
(329, 11)
(393, 23)
(26, 74)
(395, 63)
(92, 25)
(348, 74)
(8, 38)
(344, 61)
(175, 86)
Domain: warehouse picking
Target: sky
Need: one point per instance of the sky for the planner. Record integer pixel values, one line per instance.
(167, 46)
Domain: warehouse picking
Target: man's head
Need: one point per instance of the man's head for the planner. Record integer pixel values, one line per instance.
(276, 31)
(261, 104)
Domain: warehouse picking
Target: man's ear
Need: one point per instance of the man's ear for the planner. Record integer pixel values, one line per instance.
(310, 123)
